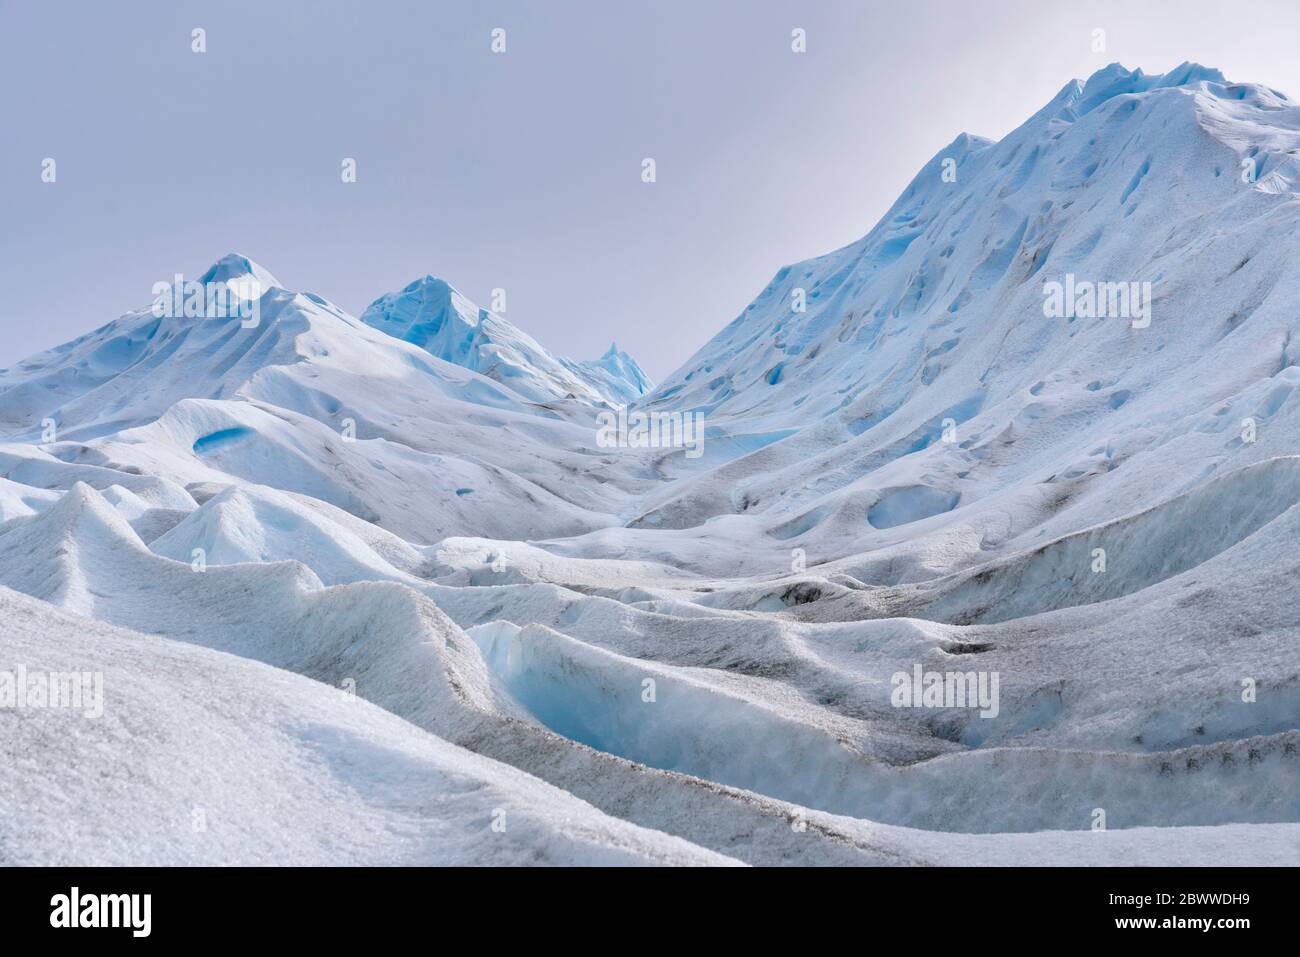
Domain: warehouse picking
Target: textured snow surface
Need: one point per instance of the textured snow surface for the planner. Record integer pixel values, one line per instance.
(372, 590)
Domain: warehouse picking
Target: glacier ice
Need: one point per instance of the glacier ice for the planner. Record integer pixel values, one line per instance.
(360, 587)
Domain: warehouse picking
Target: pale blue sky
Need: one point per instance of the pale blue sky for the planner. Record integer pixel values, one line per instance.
(520, 170)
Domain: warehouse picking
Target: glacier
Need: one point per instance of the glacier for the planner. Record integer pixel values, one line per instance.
(371, 590)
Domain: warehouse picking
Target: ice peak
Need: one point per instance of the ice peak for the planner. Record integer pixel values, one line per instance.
(233, 266)
(621, 375)
(1115, 79)
(1186, 73)
(965, 143)
(426, 310)
(430, 285)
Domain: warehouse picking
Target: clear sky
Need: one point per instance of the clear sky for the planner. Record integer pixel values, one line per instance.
(520, 170)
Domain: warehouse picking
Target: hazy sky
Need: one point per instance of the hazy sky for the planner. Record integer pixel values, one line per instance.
(520, 170)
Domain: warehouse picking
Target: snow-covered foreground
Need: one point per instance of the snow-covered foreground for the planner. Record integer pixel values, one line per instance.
(381, 590)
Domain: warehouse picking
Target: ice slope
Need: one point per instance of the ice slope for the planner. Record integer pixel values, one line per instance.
(397, 651)
(202, 758)
(130, 370)
(205, 758)
(401, 653)
(432, 315)
(1063, 188)
(935, 320)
